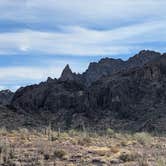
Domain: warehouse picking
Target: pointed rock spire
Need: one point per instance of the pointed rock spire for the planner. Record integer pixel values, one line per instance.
(67, 74)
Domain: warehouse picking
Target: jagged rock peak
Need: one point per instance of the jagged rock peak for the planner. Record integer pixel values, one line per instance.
(109, 60)
(147, 53)
(50, 80)
(67, 70)
(142, 58)
(67, 74)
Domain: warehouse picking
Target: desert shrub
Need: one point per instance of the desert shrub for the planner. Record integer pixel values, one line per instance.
(44, 148)
(161, 161)
(126, 157)
(94, 134)
(24, 133)
(64, 135)
(143, 138)
(6, 148)
(7, 153)
(73, 132)
(3, 131)
(9, 163)
(46, 156)
(110, 132)
(59, 153)
(84, 140)
(143, 162)
(53, 136)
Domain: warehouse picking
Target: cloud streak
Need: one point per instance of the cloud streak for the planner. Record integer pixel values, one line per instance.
(82, 41)
(87, 13)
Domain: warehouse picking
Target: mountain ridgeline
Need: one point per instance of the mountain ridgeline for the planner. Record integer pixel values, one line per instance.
(124, 95)
(107, 67)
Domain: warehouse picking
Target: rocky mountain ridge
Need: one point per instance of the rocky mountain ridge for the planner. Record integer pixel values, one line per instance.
(129, 95)
(108, 66)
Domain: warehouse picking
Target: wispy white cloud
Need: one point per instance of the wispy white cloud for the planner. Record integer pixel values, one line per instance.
(82, 41)
(79, 12)
(76, 20)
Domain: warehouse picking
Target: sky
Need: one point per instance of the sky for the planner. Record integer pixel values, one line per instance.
(38, 38)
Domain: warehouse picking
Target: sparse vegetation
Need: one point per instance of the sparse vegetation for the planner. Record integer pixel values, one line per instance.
(143, 138)
(143, 162)
(85, 140)
(36, 148)
(161, 161)
(128, 156)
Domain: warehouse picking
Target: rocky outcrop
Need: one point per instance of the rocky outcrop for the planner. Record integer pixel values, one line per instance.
(104, 67)
(132, 97)
(107, 66)
(141, 58)
(67, 74)
(6, 97)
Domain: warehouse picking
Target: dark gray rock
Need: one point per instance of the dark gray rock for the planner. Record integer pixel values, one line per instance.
(128, 97)
(67, 74)
(108, 66)
(6, 97)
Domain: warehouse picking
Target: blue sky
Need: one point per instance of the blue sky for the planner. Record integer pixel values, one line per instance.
(38, 38)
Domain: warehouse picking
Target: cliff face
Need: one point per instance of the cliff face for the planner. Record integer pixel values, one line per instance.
(137, 96)
(125, 98)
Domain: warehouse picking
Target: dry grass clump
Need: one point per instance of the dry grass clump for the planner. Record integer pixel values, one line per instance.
(73, 133)
(143, 162)
(110, 132)
(6, 152)
(161, 161)
(3, 131)
(143, 138)
(84, 140)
